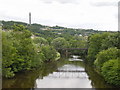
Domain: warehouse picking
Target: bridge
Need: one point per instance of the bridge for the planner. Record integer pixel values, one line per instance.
(68, 49)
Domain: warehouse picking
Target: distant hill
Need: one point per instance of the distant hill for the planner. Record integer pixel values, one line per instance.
(38, 28)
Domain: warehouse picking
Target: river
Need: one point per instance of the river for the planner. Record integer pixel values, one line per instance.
(65, 73)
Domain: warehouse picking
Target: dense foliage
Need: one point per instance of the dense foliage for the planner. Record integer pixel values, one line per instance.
(104, 54)
(49, 53)
(8, 55)
(24, 50)
(28, 46)
(20, 52)
(76, 38)
(60, 43)
(99, 42)
(40, 41)
(111, 71)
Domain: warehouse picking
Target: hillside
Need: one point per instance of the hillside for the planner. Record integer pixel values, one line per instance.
(38, 28)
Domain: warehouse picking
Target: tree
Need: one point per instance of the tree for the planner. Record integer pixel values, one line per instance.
(49, 53)
(110, 41)
(19, 51)
(8, 55)
(25, 49)
(60, 43)
(78, 42)
(40, 41)
(111, 71)
(105, 55)
(94, 47)
(97, 44)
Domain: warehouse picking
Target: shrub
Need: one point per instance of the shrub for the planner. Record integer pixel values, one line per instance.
(105, 55)
(49, 53)
(111, 71)
(59, 43)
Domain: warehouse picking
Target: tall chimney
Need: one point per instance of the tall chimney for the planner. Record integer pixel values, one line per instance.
(29, 18)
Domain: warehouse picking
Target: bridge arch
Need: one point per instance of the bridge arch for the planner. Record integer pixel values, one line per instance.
(66, 50)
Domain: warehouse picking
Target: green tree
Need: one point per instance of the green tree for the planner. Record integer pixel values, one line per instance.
(111, 40)
(78, 42)
(60, 43)
(48, 53)
(40, 41)
(111, 71)
(96, 45)
(105, 55)
(25, 50)
(19, 51)
(8, 55)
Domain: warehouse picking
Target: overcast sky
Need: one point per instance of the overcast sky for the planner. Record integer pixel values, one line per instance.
(87, 14)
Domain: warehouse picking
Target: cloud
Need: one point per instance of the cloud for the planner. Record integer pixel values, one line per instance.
(96, 14)
(62, 1)
(103, 3)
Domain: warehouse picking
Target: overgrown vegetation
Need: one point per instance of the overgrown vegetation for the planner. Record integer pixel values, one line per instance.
(75, 38)
(111, 71)
(26, 47)
(20, 52)
(104, 54)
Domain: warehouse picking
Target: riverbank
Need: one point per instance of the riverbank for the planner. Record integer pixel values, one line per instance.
(49, 76)
(103, 56)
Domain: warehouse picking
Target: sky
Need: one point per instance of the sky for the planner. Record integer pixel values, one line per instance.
(86, 14)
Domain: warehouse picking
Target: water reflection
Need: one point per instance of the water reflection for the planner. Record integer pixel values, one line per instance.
(67, 76)
(28, 79)
(97, 81)
(75, 58)
(61, 74)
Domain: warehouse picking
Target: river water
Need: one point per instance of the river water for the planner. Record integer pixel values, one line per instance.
(65, 73)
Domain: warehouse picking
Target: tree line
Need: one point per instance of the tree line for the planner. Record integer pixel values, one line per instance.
(38, 28)
(104, 56)
(25, 50)
(20, 52)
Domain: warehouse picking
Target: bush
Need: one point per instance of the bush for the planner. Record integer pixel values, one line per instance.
(40, 41)
(19, 53)
(7, 72)
(60, 43)
(111, 71)
(8, 55)
(48, 52)
(95, 42)
(102, 41)
(105, 55)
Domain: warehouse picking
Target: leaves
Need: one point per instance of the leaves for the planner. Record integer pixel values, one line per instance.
(21, 52)
(111, 71)
(105, 55)
(49, 53)
(99, 42)
(60, 43)
(18, 51)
